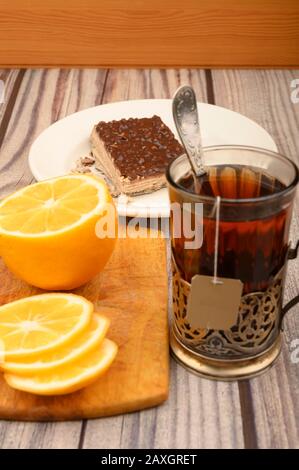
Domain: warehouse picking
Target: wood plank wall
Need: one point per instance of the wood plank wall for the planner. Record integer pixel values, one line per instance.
(155, 33)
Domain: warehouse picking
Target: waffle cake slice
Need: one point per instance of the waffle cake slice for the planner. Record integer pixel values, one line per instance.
(134, 153)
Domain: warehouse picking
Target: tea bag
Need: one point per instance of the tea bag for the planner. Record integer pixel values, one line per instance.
(214, 302)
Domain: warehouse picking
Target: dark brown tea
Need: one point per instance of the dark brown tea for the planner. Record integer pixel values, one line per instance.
(253, 237)
(233, 182)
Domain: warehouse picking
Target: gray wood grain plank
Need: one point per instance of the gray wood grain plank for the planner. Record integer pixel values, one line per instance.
(44, 97)
(265, 96)
(124, 84)
(198, 413)
(20, 435)
(8, 77)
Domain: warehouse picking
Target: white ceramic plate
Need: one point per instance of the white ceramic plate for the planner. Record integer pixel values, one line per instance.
(58, 147)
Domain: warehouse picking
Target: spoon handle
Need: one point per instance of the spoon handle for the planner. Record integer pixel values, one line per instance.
(185, 115)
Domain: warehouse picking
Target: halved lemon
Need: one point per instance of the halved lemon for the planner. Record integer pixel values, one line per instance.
(91, 338)
(48, 231)
(65, 380)
(41, 323)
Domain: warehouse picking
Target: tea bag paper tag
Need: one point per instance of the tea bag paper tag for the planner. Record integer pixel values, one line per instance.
(213, 305)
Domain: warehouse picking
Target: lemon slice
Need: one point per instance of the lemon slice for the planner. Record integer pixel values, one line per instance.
(41, 323)
(65, 380)
(88, 340)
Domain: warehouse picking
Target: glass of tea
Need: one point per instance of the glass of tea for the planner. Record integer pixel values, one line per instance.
(246, 198)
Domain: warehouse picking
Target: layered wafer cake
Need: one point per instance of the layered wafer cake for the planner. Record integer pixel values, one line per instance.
(134, 153)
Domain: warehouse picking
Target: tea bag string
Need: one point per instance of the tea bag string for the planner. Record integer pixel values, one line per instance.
(216, 245)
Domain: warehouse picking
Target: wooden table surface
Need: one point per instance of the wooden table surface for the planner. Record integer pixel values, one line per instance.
(262, 412)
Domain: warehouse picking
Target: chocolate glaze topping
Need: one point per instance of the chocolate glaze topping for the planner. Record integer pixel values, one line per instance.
(139, 147)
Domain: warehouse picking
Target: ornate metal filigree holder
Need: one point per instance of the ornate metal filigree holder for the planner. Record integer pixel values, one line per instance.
(246, 349)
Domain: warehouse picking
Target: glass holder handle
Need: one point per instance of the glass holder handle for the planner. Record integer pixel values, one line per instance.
(292, 254)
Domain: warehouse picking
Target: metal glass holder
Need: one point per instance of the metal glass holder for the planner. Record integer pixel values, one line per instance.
(245, 350)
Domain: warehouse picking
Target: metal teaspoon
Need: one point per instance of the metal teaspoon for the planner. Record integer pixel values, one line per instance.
(185, 115)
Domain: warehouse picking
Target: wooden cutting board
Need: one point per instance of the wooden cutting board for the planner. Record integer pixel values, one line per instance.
(132, 291)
